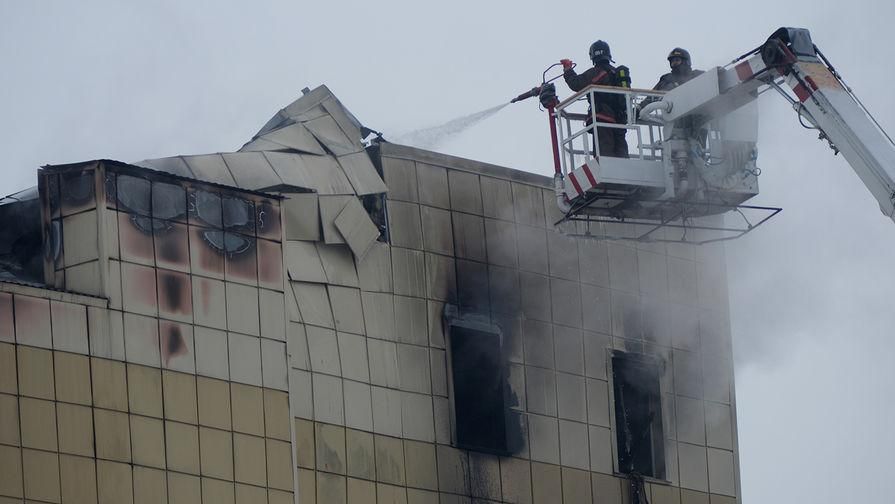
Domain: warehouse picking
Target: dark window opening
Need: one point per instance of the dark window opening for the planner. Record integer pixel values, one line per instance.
(375, 203)
(482, 418)
(638, 415)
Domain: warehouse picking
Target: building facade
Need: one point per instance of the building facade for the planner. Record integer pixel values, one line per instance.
(309, 320)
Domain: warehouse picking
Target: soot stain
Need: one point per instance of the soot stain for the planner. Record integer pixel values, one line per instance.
(173, 344)
(270, 261)
(243, 264)
(174, 292)
(172, 245)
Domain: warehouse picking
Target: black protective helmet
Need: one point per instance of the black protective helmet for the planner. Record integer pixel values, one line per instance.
(683, 54)
(599, 52)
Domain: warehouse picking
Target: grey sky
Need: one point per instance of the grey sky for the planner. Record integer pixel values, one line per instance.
(811, 306)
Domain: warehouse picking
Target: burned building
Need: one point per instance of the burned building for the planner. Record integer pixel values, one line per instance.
(310, 319)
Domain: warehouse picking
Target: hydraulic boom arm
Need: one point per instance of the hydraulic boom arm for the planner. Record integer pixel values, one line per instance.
(791, 63)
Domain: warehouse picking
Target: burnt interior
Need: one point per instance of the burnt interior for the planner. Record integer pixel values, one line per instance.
(374, 204)
(21, 243)
(638, 415)
(483, 419)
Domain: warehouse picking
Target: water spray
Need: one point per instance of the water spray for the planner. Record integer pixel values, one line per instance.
(433, 136)
(429, 138)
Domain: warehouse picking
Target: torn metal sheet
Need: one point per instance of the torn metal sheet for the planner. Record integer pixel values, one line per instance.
(311, 114)
(302, 217)
(306, 102)
(313, 303)
(292, 308)
(296, 137)
(210, 167)
(303, 262)
(362, 174)
(174, 165)
(260, 144)
(328, 132)
(251, 170)
(338, 264)
(350, 125)
(330, 208)
(356, 228)
(279, 120)
(320, 173)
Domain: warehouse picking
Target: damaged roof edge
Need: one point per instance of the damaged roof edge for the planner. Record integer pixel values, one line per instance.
(303, 103)
(388, 149)
(52, 293)
(161, 174)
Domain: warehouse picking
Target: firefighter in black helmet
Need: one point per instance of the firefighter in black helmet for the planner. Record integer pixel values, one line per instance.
(681, 70)
(610, 108)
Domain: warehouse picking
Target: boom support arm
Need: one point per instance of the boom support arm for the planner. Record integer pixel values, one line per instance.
(791, 63)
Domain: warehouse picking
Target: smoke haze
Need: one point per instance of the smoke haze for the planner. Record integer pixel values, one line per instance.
(810, 296)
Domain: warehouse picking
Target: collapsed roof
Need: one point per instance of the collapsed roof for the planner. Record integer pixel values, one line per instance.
(313, 145)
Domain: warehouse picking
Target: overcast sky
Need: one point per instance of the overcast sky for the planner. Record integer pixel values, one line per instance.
(811, 301)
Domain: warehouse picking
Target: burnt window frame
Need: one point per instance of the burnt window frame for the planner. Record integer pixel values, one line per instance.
(511, 439)
(658, 456)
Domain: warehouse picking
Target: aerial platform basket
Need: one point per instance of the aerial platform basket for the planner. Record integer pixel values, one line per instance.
(677, 173)
(694, 155)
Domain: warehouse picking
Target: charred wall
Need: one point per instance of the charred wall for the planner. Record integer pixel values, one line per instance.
(322, 357)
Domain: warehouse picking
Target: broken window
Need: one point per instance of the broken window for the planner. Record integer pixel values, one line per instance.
(638, 415)
(375, 203)
(482, 419)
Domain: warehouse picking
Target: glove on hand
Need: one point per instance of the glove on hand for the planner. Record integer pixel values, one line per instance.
(566, 64)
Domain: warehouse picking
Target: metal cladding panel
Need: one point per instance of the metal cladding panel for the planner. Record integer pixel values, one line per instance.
(210, 167)
(310, 114)
(338, 264)
(294, 136)
(347, 310)
(279, 120)
(260, 145)
(349, 124)
(307, 102)
(251, 170)
(362, 174)
(302, 219)
(330, 208)
(374, 270)
(174, 165)
(400, 177)
(320, 173)
(303, 262)
(313, 303)
(355, 225)
(327, 131)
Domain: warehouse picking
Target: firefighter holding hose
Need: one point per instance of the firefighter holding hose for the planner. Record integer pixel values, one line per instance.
(609, 107)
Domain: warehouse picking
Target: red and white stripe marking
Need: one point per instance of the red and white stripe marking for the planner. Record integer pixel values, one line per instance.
(802, 91)
(582, 180)
(747, 69)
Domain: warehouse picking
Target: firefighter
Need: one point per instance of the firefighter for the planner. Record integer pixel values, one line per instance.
(681, 70)
(610, 108)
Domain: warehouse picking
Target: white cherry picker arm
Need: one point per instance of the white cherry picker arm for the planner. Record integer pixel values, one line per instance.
(791, 63)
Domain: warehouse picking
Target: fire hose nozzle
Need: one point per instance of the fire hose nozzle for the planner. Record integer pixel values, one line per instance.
(528, 94)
